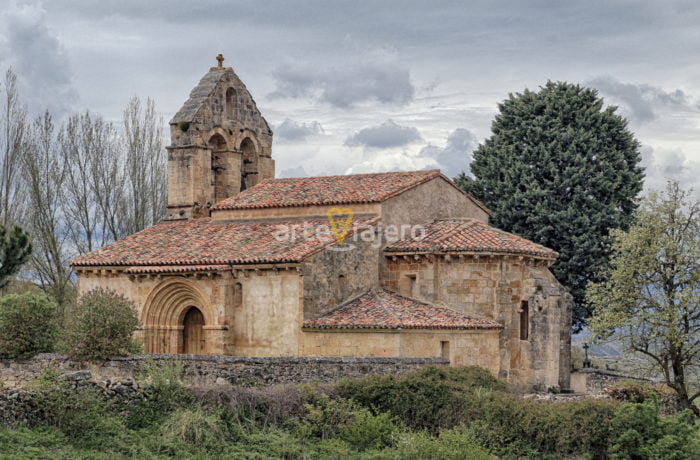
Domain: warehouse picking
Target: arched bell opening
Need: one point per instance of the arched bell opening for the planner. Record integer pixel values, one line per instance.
(249, 165)
(219, 165)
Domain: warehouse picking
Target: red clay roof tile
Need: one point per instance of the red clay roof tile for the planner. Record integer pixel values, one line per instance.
(207, 242)
(383, 309)
(174, 268)
(468, 235)
(329, 190)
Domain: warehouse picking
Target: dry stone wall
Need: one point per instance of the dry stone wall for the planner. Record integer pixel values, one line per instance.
(217, 370)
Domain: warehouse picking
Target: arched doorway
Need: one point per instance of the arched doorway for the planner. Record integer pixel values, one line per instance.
(193, 332)
(172, 306)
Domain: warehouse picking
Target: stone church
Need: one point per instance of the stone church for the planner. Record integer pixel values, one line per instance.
(398, 264)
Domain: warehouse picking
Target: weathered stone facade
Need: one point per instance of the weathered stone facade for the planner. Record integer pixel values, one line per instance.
(498, 287)
(259, 298)
(220, 145)
(248, 312)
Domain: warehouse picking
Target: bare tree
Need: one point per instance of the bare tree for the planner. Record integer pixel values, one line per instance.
(12, 131)
(146, 174)
(93, 183)
(44, 174)
(114, 185)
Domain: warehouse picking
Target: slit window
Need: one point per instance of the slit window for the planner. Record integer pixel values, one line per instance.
(445, 350)
(408, 286)
(524, 320)
(342, 288)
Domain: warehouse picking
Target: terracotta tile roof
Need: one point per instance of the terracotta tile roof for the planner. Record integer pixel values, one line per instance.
(174, 268)
(207, 242)
(383, 309)
(468, 235)
(329, 190)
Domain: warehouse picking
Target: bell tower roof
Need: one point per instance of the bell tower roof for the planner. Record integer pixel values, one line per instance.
(205, 105)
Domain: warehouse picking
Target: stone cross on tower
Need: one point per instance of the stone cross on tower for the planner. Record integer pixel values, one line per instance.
(220, 59)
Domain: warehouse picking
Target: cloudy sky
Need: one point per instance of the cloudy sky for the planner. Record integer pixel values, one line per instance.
(354, 86)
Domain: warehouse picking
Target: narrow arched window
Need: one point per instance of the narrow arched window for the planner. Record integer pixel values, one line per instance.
(238, 296)
(231, 102)
(408, 285)
(342, 288)
(524, 320)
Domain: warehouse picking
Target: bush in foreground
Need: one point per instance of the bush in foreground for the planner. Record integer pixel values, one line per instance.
(28, 325)
(102, 325)
(315, 422)
(428, 399)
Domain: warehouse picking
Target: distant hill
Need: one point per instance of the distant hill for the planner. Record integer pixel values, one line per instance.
(608, 349)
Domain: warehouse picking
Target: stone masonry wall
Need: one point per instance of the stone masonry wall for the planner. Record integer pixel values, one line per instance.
(493, 287)
(593, 381)
(218, 370)
(322, 287)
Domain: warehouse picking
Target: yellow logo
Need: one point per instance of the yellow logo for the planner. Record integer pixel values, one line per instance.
(339, 220)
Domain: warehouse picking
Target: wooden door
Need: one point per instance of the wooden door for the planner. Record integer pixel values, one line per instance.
(193, 334)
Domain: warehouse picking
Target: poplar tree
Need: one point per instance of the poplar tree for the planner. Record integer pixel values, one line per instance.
(563, 170)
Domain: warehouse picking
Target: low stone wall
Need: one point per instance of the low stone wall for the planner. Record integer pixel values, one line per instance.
(25, 406)
(217, 370)
(593, 381)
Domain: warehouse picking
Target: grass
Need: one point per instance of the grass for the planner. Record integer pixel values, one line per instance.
(433, 413)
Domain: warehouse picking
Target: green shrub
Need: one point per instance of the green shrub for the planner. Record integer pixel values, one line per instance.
(428, 399)
(338, 418)
(45, 380)
(28, 325)
(368, 431)
(638, 432)
(193, 426)
(102, 326)
(438, 398)
(164, 392)
(164, 378)
(325, 417)
(455, 444)
(81, 413)
(507, 426)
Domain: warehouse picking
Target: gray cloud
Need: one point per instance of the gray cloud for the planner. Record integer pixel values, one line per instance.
(358, 63)
(372, 79)
(291, 130)
(453, 158)
(663, 164)
(456, 155)
(297, 171)
(387, 135)
(33, 51)
(641, 102)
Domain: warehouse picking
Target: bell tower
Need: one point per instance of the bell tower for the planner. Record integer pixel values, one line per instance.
(220, 145)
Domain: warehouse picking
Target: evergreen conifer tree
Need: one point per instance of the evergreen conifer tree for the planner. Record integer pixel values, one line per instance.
(562, 170)
(15, 249)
